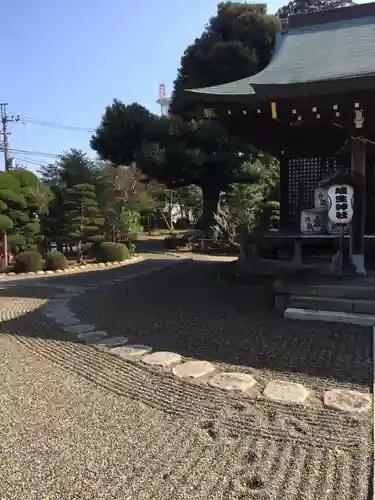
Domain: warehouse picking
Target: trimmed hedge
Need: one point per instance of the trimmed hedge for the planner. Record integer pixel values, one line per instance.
(112, 252)
(56, 260)
(28, 261)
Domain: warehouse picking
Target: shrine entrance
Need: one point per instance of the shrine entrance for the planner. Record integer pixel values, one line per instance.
(313, 108)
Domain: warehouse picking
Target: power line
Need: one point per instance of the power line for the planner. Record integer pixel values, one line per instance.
(27, 153)
(34, 153)
(61, 126)
(33, 162)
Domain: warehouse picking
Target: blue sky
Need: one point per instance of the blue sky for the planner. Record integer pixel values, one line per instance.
(65, 60)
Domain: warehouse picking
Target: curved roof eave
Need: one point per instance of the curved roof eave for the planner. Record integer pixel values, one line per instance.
(308, 59)
(227, 92)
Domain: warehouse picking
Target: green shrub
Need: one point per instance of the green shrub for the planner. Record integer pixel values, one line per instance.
(111, 252)
(34, 248)
(28, 261)
(56, 260)
(96, 239)
(16, 243)
(131, 247)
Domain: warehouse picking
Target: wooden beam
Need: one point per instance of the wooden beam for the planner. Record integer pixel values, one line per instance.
(358, 175)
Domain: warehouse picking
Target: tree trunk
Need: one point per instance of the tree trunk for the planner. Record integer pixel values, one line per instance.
(213, 220)
(5, 250)
(80, 259)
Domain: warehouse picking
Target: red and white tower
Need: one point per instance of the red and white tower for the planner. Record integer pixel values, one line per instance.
(163, 101)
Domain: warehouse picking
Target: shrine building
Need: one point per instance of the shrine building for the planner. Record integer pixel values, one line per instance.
(313, 108)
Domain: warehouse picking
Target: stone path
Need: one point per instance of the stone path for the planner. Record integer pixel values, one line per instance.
(315, 415)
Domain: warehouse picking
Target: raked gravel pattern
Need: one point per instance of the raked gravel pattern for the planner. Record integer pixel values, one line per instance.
(241, 437)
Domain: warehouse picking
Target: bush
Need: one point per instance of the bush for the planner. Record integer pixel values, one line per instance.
(111, 252)
(56, 260)
(131, 247)
(28, 261)
(16, 243)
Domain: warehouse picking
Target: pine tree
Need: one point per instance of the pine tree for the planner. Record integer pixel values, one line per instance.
(83, 215)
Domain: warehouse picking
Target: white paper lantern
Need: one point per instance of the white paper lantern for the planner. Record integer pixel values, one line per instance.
(321, 197)
(313, 221)
(340, 203)
(333, 228)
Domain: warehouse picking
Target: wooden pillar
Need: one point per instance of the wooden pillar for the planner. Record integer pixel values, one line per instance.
(358, 175)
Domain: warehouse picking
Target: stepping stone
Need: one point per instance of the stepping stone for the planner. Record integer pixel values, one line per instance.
(58, 315)
(131, 351)
(162, 358)
(113, 342)
(79, 328)
(59, 304)
(49, 272)
(286, 392)
(345, 400)
(92, 336)
(67, 321)
(233, 381)
(193, 369)
(62, 313)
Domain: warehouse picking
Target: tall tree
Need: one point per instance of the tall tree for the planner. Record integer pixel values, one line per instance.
(199, 153)
(185, 149)
(236, 43)
(304, 6)
(23, 199)
(71, 168)
(84, 219)
(256, 206)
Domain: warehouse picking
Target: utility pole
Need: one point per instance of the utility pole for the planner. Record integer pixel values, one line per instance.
(5, 119)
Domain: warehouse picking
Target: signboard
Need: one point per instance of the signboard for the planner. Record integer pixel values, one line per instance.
(340, 203)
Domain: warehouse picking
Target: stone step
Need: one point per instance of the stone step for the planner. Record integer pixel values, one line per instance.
(361, 306)
(347, 291)
(329, 316)
(335, 290)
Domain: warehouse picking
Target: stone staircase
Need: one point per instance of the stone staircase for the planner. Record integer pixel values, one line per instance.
(351, 301)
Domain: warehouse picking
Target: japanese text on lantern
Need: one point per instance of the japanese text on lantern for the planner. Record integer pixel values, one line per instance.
(340, 203)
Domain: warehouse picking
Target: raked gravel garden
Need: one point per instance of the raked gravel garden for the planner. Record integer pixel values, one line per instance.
(154, 380)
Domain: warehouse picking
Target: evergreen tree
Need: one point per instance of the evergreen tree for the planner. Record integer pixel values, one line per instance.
(84, 219)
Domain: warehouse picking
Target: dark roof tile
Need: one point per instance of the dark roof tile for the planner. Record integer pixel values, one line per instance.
(339, 50)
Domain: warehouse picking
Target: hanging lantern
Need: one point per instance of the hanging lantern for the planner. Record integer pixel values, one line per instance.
(340, 203)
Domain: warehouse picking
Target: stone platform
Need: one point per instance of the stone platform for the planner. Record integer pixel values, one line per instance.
(327, 298)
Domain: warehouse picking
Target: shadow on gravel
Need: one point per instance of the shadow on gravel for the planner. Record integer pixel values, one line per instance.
(185, 309)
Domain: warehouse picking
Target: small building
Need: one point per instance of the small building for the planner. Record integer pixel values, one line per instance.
(313, 108)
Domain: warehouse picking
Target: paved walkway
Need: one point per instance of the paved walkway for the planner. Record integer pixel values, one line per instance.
(115, 429)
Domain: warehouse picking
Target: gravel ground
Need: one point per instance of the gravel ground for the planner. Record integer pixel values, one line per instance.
(79, 423)
(91, 436)
(185, 310)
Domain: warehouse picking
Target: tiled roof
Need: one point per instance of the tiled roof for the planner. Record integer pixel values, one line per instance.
(327, 52)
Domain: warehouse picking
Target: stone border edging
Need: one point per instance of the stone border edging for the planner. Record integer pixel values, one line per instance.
(281, 391)
(76, 269)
